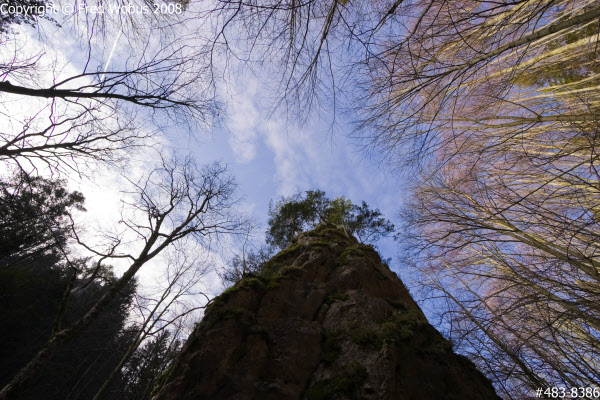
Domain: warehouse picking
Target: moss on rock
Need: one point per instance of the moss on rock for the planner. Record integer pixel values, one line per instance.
(319, 324)
(347, 382)
(331, 348)
(336, 297)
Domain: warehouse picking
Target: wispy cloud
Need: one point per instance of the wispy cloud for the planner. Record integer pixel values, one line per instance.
(243, 124)
(291, 157)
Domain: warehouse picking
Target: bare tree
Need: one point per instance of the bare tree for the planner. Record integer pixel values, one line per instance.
(163, 78)
(61, 112)
(174, 202)
(466, 69)
(512, 243)
(58, 139)
(176, 298)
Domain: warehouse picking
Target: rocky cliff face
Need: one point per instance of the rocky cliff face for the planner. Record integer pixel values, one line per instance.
(327, 320)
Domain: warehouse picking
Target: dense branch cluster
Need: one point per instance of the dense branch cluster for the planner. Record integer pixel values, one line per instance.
(58, 114)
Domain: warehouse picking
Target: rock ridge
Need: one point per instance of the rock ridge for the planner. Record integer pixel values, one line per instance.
(325, 320)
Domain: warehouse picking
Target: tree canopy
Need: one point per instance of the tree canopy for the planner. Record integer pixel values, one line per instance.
(293, 215)
(177, 202)
(36, 269)
(34, 215)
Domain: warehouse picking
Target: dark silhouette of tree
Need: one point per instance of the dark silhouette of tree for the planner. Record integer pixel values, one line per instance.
(32, 294)
(147, 366)
(177, 201)
(35, 272)
(34, 216)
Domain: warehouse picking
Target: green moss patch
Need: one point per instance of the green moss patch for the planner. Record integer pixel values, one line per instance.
(357, 250)
(400, 326)
(329, 231)
(331, 348)
(243, 284)
(365, 337)
(252, 283)
(336, 297)
(271, 267)
(347, 382)
(285, 271)
(228, 292)
(290, 270)
(273, 284)
(216, 303)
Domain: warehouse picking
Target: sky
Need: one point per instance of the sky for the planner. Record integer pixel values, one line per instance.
(268, 155)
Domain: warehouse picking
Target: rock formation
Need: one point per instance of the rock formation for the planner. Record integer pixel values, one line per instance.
(326, 320)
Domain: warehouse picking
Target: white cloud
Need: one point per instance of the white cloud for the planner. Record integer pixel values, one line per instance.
(290, 155)
(243, 123)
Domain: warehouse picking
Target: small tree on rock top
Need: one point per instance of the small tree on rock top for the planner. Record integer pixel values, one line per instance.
(296, 214)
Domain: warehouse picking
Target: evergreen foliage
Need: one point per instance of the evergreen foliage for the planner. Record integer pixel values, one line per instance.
(32, 294)
(296, 214)
(293, 215)
(147, 366)
(34, 274)
(34, 216)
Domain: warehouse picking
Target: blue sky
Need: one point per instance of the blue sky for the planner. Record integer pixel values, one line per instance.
(271, 158)
(268, 155)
